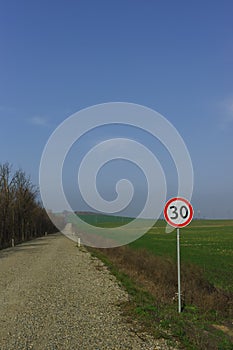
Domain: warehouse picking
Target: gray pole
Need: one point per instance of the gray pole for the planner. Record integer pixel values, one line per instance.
(178, 269)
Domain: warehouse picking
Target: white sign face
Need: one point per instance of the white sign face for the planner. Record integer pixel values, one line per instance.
(178, 212)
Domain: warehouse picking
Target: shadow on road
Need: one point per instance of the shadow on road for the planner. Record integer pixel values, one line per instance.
(28, 246)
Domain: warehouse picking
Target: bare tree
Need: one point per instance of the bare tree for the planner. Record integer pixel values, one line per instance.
(21, 215)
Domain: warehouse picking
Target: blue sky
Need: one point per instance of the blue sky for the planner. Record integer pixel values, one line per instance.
(176, 57)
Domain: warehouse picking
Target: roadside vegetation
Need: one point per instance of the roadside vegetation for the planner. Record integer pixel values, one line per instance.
(147, 269)
(21, 215)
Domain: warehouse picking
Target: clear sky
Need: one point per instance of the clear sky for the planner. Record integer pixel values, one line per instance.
(176, 57)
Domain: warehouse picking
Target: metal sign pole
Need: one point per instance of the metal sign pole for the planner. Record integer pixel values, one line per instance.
(178, 212)
(178, 269)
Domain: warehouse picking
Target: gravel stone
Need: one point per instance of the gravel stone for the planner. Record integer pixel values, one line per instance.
(55, 296)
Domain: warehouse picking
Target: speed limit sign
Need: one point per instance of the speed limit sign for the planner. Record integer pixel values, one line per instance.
(178, 212)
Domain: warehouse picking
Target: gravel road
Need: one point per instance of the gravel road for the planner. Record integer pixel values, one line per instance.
(56, 296)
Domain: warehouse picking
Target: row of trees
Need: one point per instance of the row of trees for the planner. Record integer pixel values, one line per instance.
(21, 215)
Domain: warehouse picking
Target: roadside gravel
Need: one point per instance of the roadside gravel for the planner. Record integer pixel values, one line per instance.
(54, 296)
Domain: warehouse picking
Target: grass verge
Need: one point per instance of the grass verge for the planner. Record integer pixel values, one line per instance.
(151, 283)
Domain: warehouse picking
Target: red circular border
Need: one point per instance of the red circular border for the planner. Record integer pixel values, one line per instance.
(167, 218)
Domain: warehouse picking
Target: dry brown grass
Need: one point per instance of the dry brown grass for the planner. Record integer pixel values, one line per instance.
(158, 275)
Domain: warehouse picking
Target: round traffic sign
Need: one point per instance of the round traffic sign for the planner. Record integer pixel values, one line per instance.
(178, 212)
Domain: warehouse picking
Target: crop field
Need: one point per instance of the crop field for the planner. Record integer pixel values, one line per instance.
(148, 264)
(206, 243)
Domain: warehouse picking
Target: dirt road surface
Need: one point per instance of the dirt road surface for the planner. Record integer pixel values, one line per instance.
(54, 296)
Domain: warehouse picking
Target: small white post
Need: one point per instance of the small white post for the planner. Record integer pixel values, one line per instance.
(178, 269)
(79, 242)
(12, 242)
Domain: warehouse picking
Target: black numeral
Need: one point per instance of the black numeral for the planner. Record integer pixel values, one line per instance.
(174, 212)
(183, 212)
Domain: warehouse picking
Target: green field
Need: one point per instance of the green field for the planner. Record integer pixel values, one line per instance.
(206, 243)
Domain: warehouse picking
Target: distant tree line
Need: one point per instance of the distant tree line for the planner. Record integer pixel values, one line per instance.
(21, 215)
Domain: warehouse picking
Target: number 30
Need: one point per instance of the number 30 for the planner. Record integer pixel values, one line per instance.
(183, 212)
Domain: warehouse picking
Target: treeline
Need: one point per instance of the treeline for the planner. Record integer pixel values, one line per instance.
(21, 215)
